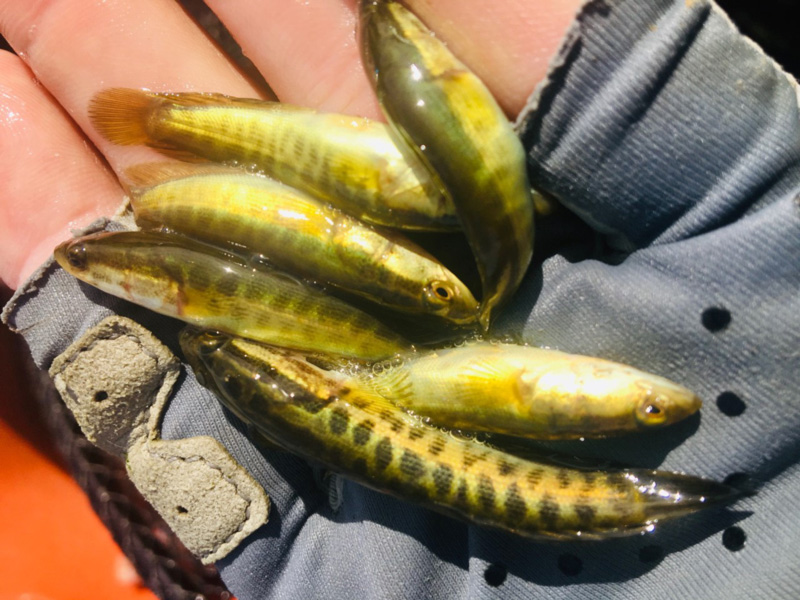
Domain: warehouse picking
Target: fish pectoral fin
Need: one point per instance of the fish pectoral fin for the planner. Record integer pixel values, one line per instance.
(394, 384)
(490, 375)
(384, 408)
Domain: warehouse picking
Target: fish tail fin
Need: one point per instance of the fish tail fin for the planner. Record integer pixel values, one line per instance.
(122, 115)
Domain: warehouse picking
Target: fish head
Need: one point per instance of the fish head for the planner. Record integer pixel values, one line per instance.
(659, 401)
(118, 263)
(199, 346)
(450, 298)
(72, 257)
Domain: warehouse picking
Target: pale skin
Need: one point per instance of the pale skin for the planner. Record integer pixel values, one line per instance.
(57, 174)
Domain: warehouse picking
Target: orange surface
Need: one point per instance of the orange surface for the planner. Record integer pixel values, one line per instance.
(52, 545)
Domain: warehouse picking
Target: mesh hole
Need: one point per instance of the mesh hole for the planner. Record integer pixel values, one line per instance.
(734, 538)
(716, 318)
(730, 404)
(495, 575)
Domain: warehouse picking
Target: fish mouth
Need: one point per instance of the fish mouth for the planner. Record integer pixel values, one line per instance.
(667, 405)
(60, 254)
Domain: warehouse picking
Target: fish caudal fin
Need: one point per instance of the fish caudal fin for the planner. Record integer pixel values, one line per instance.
(121, 115)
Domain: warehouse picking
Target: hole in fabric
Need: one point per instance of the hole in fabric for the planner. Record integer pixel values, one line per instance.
(570, 565)
(651, 554)
(734, 538)
(730, 404)
(100, 396)
(495, 575)
(181, 510)
(716, 318)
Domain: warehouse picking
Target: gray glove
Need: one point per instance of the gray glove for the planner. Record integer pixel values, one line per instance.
(677, 142)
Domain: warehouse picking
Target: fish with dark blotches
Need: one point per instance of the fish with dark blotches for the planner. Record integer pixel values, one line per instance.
(357, 433)
(351, 162)
(458, 130)
(301, 235)
(530, 392)
(205, 286)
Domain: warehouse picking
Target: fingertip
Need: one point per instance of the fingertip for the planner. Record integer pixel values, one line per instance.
(51, 179)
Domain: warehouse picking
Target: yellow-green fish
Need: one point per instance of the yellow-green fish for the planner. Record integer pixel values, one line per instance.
(350, 162)
(359, 434)
(199, 284)
(445, 112)
(530, 392)
(299, 235)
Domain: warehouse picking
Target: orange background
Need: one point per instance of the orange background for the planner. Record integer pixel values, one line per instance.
(52, 545)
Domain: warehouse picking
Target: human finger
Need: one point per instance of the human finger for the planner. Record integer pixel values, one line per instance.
(309, 53)
(50, 179)
(77, 48)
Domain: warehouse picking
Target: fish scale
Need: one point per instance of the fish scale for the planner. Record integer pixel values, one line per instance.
(314, 414)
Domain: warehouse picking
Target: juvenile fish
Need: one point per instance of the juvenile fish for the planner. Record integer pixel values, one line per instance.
(350, 162)
(357, 433)
(446, 113)
(299, 234)
(196, 283)
(530, 392)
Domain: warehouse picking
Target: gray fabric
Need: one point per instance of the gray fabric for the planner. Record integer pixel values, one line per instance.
(678, 141)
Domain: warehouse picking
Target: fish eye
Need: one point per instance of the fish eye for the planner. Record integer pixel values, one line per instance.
(200, 376)
(651, 411)
(211, 341)
(439, 293)
(76, 256)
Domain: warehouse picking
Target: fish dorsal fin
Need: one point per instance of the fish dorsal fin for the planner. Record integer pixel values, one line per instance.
(151, 174)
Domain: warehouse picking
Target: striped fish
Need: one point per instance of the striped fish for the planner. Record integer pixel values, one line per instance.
(458, 130)
(530, 392)
(247, 212)
(199, 284)
(354, 432)
(350, 162)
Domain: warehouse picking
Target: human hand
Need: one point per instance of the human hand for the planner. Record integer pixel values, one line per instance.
(634, 312)
(306, 51)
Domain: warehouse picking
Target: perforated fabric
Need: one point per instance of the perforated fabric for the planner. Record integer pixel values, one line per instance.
(678, 140)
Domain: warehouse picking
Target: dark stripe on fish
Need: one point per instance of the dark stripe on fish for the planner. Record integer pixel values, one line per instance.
(549, 511)
(411, 465)
(443, 479)
(515, 505)
(339, 421)
(486, 493)
(383, 454)
(363, 432)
